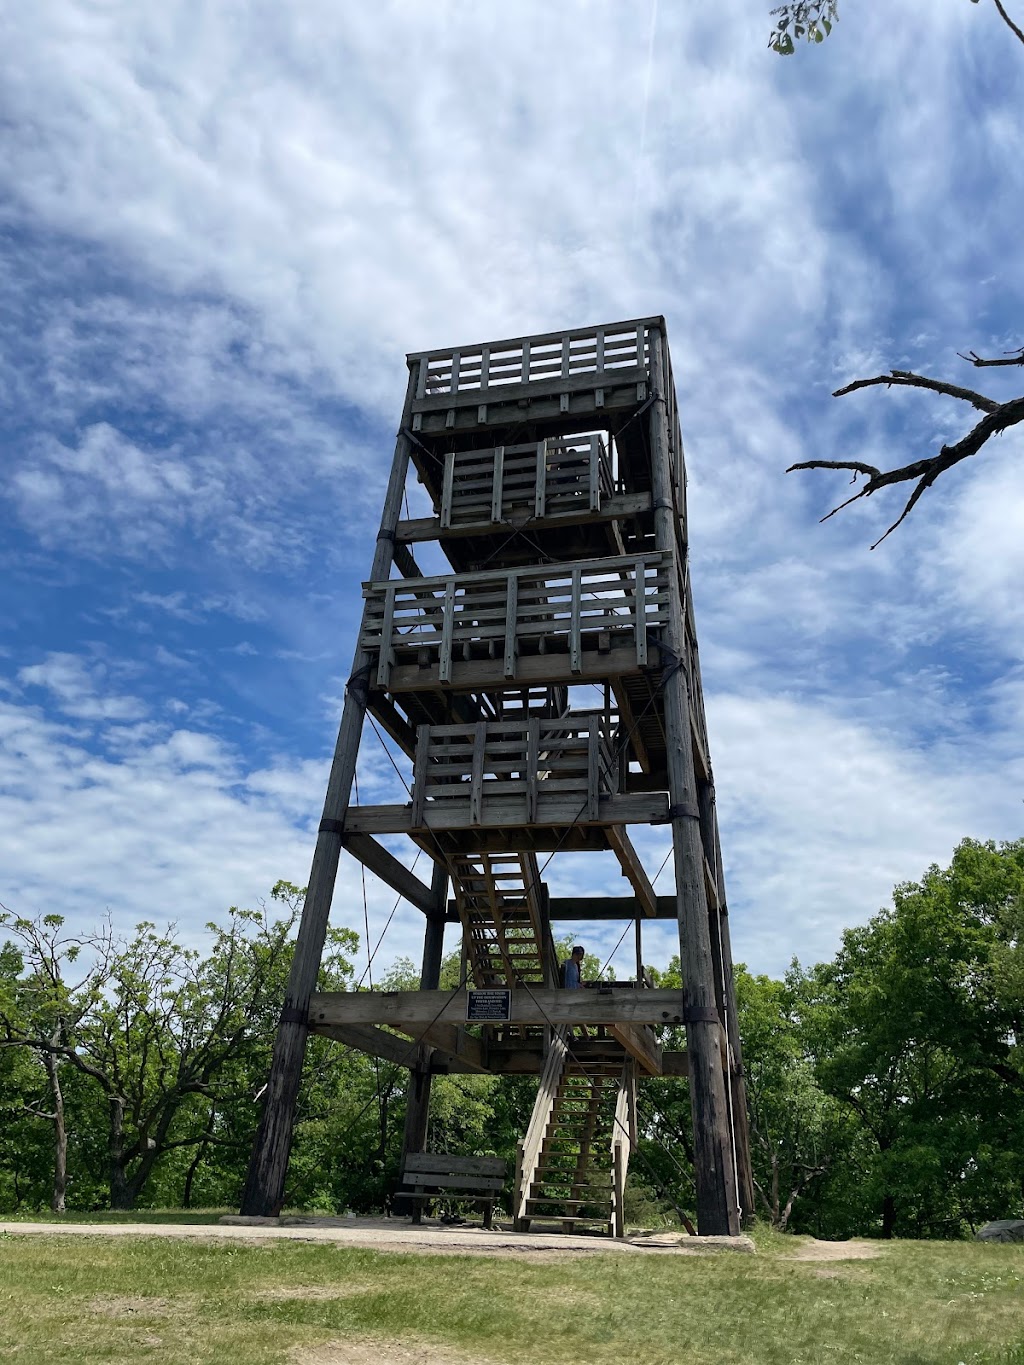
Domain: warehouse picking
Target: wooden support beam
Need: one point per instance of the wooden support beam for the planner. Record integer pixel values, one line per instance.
(449, 1038)
(372, 1040)
(404, 561)
(392, 722)
(386, 866)
(609, 908)
(510, 812)
(475, 675)
(414, 1012)
(633, 869)
(639, 1043)
(718, 1209)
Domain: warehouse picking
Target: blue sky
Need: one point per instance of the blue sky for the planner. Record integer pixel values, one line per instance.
(223, 227)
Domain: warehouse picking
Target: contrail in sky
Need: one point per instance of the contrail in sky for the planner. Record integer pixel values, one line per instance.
(643, 121)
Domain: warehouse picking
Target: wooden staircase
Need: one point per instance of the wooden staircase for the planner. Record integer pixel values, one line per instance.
(498, 898)
(573, 1161)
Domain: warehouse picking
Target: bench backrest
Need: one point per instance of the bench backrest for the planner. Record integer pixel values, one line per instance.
(485, 1173)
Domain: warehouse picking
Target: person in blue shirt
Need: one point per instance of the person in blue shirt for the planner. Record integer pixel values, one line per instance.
(572, 970)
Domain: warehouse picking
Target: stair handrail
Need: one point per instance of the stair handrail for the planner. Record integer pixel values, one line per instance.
(623, 1141)
(547, 1091)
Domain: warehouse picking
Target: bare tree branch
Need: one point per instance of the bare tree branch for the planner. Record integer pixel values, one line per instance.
(1008, 21)
(907, 379)
(998, 418)
(1008, 358)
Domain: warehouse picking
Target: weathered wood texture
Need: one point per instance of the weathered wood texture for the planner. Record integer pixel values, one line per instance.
(413, 1011)
(511, 772)
(419, 630)
(717, 1197)
(426, 1175)
(482, 371)
(417, 1099)
(613, 507)
(551, 478)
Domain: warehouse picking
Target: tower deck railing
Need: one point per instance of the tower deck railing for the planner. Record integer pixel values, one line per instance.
(483, 370)
(496, 617)
(550, 478)
(572, 759)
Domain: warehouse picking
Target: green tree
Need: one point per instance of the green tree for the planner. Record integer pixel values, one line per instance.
(914, 1028)
(171, 1038)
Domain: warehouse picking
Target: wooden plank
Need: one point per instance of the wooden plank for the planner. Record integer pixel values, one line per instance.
(454, 381)
(532, 764)
(430, 1014)
(422, 1162)
(633, 870)
(511, 617)
(595, 474)
(447, 488)
(540, 483)
(448, 626)
(419, 776)
(472, 675)
(497, 812)
(570, 908)
(593, 769)
(609, 569)
(371, 1040)
(384, 710)
(619, 1187)
(613, 508)
(477, 777)
(437, 1178)
(447, 1037)
(497, 487)
(386, 866)
(575, 647)
(639, 1043)
(386, 656)
(640, 612)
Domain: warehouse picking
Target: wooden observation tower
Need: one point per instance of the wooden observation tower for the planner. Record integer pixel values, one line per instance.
(546, 690)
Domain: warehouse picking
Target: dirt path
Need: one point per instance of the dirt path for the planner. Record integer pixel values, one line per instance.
(396, 1235)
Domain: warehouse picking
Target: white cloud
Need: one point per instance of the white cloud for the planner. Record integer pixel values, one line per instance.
(171, 828)
(76, 687)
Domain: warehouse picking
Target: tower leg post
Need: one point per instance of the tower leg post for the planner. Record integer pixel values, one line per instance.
(717, 1202)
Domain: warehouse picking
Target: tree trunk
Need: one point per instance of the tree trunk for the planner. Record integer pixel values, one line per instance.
(121, 1197)
(60, 1135)
(196, 1162)
(888, 1216)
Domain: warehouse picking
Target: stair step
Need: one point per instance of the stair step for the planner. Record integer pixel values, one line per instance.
(531, 1205)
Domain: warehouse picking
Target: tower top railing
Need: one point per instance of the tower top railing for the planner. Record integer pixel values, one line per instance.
(493, 366)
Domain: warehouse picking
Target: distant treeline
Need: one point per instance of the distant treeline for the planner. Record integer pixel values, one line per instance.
(886, 1087)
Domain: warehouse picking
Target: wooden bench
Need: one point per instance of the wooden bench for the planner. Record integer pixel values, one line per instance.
(430, 1174)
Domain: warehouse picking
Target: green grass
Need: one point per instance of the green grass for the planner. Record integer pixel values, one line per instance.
(136, 1299)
